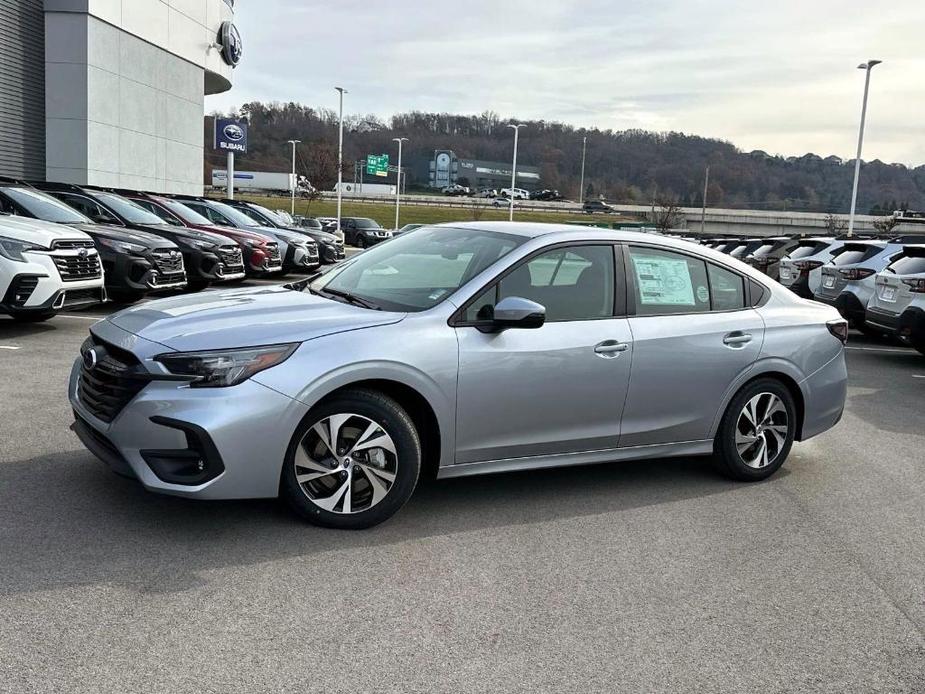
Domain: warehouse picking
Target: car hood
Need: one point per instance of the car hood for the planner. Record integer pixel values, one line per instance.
(37, 231)
(235, 233)
(122, 234)
(245, 318)
(316, 234)
(188, 234)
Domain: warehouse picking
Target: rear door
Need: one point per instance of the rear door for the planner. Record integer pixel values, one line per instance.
(694, 331)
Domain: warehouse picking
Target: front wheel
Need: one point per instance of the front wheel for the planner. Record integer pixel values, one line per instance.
(756, 432)
(353, 462)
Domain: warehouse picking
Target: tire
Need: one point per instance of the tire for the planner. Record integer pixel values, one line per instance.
(735, 430)
(322, 499)
(33, 316)
(124, 296)
(361, 242)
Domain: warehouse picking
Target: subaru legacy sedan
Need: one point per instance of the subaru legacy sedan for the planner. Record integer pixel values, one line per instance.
(459, 350)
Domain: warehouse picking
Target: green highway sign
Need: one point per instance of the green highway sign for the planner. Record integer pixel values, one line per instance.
(377, 165)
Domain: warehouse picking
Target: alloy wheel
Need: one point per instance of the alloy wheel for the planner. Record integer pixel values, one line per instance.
(346, 463)
(761, 430)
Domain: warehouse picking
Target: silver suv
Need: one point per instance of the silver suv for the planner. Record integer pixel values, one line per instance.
(898, 305)
(848, 279)
(460, 350)
(801, 270)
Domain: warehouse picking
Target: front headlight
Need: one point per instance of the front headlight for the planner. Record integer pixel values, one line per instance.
(123, 246)
(223, 368)
(14, 249)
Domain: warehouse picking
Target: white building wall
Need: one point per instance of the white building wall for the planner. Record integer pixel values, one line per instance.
(125, 86)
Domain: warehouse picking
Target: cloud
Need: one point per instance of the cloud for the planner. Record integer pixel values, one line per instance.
(775, 76)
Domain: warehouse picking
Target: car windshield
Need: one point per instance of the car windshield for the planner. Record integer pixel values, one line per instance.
(310, 223)
(42, 206)
(128, 210)
(274, 217)
(188, 215)
(417, 271)
(234, 216)
(362, 223)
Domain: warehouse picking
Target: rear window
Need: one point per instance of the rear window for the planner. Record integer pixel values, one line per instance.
(909, 265)
(853, 254)
(804, 251)
(765, 248)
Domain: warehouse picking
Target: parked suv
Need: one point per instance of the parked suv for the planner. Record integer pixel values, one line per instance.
(260, 253)
(46, 267)
(767, 256)
(134, 262)
(207, 257)
(296, 251)
(897, 305)
(848, 279)
(329, 247)
(801, 270)
(363, 232)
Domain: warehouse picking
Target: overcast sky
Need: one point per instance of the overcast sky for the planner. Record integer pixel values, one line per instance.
(777, 75)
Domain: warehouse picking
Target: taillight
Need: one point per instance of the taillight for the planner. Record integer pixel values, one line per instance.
(838, 328)
(806, 266)
(854, 273)
(917, 286)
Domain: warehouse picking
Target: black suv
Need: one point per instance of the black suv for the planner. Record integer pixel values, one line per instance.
(134, 262)
(363, 232)
(208, 257)
(330, 248)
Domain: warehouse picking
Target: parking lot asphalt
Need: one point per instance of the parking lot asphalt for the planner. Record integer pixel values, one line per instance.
(637, 577)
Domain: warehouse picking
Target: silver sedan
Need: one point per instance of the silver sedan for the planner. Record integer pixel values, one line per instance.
(458, 350)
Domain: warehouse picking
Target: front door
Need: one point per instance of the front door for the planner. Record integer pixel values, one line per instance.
(556, 389)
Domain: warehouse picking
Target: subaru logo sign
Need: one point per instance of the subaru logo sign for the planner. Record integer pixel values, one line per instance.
(83, 253)
(230, 135)
(233, 132)
(232, 46)
(90, 359)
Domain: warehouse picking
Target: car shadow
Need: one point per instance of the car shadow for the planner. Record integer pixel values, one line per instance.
(11, 329)
(66, 520)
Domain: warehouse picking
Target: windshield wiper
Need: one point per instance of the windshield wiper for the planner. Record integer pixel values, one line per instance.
(351, 298)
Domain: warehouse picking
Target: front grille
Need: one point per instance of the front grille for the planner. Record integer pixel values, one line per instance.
(74, 268)
(110, 385)
(168, 262)
(72, 244)
(273, 253)
(231, 258)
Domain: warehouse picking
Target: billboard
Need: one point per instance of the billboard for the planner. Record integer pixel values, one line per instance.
(230, 135)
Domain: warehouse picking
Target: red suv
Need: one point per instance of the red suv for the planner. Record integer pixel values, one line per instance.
(261, 253)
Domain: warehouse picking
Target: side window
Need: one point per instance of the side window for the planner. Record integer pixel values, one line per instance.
(482, 308)
(156, 209)
(667, 282)
(88, 208)
(572, 283)
(727, 289)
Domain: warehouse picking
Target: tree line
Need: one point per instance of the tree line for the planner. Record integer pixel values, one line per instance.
(628, 166)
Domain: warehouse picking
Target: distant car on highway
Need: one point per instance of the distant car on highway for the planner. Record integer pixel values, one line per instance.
(546, 194)
(897, 305)
(493, 348)
(597, 207)
(456, 190)
(515, 193)
(487, 193)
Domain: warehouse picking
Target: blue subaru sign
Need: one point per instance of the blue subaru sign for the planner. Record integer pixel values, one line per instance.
(230, 135)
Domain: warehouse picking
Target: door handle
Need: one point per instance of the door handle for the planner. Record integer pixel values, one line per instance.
(609, 349)
(737, 339)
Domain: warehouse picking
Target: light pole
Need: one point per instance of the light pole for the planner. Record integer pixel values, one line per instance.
(340, 154)
(399, 140)
(292, 182)
(581, 188)
(703, 210)
(516, 128)
(867, 67)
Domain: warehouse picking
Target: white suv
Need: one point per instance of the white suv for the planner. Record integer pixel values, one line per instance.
(46, 267)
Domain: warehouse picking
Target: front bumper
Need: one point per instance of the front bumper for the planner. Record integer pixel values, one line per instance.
(301, 258)
(241, 444)
(331, 253)
(37, 286)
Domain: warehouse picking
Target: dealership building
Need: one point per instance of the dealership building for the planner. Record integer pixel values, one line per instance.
(111, 92)
(445, 169)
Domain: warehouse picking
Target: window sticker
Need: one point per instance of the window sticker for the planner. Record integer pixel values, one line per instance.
(663, 281)
(702, 294)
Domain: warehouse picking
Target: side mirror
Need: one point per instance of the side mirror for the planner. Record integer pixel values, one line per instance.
(517, 312)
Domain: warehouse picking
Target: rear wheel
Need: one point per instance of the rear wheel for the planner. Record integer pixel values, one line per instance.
(756, 432)
(353, 462)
